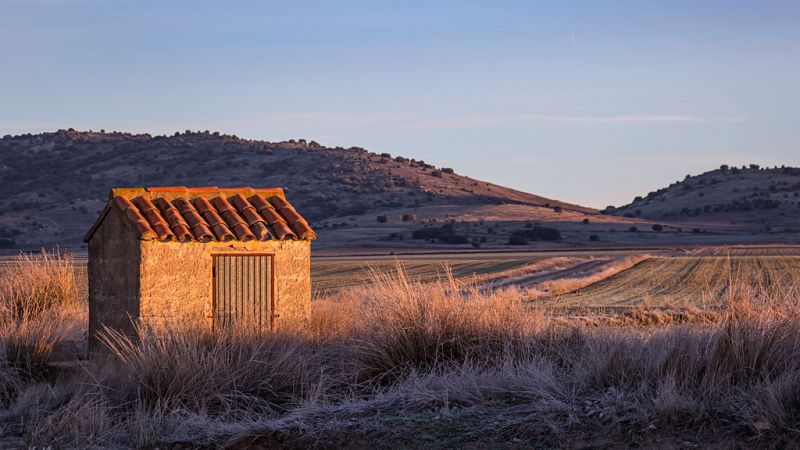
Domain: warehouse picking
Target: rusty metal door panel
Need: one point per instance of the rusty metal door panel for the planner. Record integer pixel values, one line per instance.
(242, 292)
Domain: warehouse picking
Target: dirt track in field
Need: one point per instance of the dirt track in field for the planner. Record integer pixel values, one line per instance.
(573, 270)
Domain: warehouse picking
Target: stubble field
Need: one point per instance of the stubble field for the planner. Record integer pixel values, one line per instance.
(701, 281)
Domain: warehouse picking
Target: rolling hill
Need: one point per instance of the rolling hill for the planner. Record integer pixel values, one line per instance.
(767, 198)
(53, 185)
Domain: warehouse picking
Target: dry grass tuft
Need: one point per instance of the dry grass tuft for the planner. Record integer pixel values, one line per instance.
(407, 326)
(42, 303)
(198, 370)
(400, 360)
(33, 285)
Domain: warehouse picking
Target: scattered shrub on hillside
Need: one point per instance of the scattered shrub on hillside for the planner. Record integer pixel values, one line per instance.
(633, 229)
(476, 243)
(382, 219)
(447, 170)
(426, 233)
(594, 237)
(558, 209)
(586, 221)
(517, 240)
(658, 228)
(538, 233)
(409, 218)
(445, 234)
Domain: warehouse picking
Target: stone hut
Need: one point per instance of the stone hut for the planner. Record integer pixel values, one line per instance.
(218, 257)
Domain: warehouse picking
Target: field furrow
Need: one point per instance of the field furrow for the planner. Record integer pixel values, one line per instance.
(702, 281)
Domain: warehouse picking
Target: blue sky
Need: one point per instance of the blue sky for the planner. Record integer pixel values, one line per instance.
(590, 102)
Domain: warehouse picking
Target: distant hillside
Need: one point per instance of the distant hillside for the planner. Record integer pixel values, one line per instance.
(766, 196)
(53, 185)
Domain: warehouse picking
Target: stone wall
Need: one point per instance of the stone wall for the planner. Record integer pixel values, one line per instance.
(113, 278)
(176, 284)
(293, 283)
(176, 281)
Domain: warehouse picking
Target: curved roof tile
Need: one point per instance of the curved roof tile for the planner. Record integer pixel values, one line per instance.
(208, 214)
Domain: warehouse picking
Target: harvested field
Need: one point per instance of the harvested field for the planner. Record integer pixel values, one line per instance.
(700, 281)
(331, 276)
(748, 251)
(491, 269)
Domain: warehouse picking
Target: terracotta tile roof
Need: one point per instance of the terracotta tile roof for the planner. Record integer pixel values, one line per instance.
(207, 214)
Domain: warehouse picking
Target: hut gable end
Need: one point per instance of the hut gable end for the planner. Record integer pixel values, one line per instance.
(114, 272)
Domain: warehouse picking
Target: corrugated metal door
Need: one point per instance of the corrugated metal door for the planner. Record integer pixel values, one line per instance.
(243, 292)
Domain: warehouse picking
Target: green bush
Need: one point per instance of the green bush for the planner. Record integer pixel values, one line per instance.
(538, 233)
(517, 240)
(445, 234)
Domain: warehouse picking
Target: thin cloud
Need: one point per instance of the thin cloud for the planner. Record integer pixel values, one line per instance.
(317, 123)
(327, 121)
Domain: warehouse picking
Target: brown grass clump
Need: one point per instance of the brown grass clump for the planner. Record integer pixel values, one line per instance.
(404, 362)
(406, 326)
(215, 373)
(42, 303)
(35, 284)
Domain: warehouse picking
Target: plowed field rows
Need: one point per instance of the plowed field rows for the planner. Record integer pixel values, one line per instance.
(698, 280)
(332, 276)
(747, 251)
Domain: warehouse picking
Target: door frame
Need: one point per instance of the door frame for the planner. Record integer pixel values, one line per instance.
(272, 289)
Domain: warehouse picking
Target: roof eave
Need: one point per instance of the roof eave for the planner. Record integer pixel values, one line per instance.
(97, 223)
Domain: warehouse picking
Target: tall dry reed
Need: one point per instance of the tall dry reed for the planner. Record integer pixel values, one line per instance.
(42, 303)
(389, 360)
